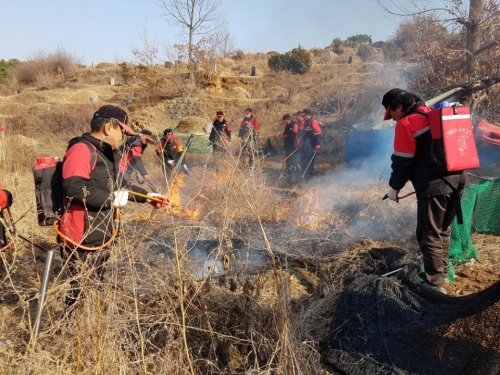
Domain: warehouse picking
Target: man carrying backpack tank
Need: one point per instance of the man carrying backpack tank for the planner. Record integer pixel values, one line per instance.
(92, 192)
(437, 193)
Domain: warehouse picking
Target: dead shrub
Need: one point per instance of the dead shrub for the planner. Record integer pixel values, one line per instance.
(238, 55)
(57, 63)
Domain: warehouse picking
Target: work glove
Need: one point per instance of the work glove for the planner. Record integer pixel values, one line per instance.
(392, 194)
(164, 200)
(317, 147)
(120, 198)
(283, 136)
(171, 162)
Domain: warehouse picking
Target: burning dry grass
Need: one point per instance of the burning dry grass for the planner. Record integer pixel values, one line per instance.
(153, 316)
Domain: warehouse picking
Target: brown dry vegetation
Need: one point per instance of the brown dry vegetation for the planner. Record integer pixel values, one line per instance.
(162, 312)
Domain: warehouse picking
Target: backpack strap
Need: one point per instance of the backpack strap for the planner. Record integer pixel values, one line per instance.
(93, 153)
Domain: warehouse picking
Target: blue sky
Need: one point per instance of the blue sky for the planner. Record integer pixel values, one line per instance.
(106, 30)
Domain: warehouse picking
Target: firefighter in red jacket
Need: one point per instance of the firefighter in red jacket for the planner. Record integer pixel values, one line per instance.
(438, 194)
(249, 134)
(291, 143)
(93, 191)
(310, 139)
(170, 149)
(131, 160)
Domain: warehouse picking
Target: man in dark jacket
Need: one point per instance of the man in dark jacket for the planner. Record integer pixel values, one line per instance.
(438, 194)
(310, 140)
(249, 135)
(291, 143)
(220, 135)
(92, 192)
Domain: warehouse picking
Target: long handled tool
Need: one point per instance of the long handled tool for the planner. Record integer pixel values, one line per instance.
(43, 287)
(154, 199)
(289, 156)
(308, 165)
(401, 197)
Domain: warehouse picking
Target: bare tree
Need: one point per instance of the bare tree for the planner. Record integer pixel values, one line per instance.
(195, 17)
(470, 45)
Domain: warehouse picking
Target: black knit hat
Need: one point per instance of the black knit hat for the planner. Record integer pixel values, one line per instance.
(306, 111)
(286, 117)
(167, 131)
(249, 110)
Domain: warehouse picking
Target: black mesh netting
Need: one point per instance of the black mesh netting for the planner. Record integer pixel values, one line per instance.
(388, 325)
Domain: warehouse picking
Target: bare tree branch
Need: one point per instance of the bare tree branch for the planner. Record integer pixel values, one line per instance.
(194, 17)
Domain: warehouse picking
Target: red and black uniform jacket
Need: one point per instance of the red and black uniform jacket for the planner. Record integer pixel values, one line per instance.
(169, 147)
(310, 134)
(249, 123)
(88, 190)
(411, 159)
(220, 133)
(132, 156)
(290, 134)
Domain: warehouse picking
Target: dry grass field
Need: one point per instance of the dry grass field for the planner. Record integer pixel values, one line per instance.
(242, 276)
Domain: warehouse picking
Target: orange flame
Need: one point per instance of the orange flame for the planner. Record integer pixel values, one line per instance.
(311, 213)
(175, 198)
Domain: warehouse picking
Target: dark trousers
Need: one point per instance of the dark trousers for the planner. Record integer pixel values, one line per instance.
(307, 160)
(434, 217)
(293, 160)
(81, 263)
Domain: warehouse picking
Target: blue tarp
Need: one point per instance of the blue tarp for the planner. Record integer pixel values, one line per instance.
(369, 151)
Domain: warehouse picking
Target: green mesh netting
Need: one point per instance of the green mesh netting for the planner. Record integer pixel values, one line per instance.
(199, 144)
(200, 141)
(478, 210)
(486, 214)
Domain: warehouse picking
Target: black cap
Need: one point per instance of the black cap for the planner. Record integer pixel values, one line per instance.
(387, 99)
(167, 131)
(146, 132)
(248, 110)
(306, 111)
(287, 117)
(220, 113)
(111, 111)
